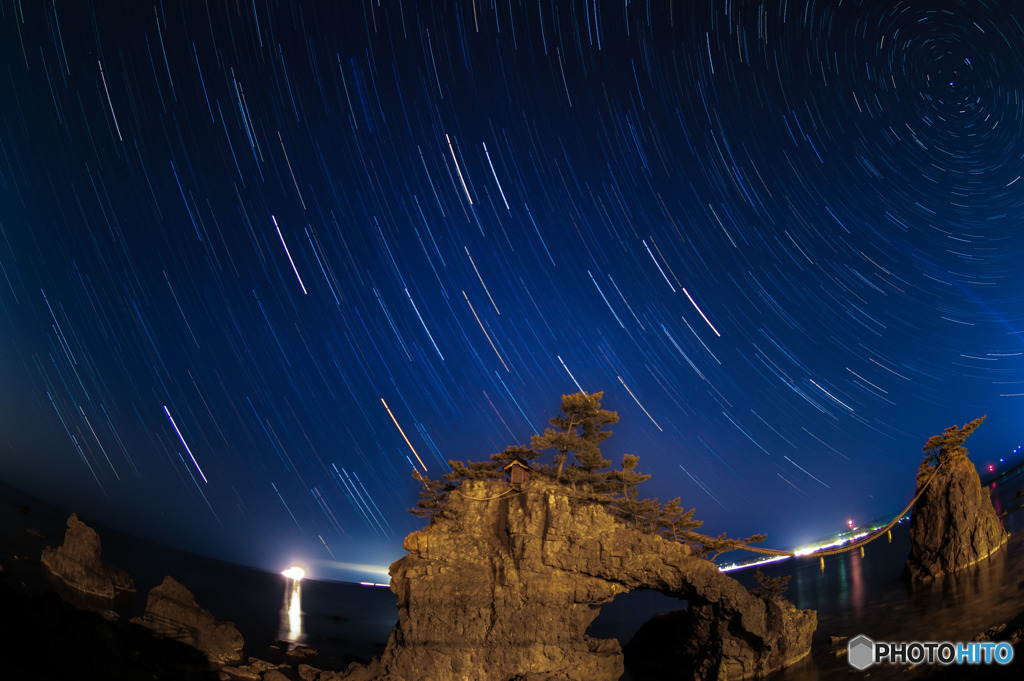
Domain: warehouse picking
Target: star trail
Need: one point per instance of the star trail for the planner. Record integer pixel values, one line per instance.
(262, 260)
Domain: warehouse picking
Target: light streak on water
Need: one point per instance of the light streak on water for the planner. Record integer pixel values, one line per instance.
(291, 609)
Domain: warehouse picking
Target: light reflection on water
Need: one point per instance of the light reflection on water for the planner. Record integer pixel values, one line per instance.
(854, 595)
(291, 612)
(956, 608)
(865, 595)
(858, 595)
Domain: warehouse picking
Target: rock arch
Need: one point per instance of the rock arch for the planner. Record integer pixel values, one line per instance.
(504, 582)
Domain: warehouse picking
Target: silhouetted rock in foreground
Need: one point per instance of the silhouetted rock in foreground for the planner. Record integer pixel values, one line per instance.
(46, 638)
(697, 643)
(953, 524)
(77, 563)
(172, 612)
(503, 583)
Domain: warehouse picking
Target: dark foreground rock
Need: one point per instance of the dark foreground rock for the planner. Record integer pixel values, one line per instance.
(78, 565)
(172, 612)
(696, 644)
(46, 638)
(954, 524)
(503, 584)
(1011, 632)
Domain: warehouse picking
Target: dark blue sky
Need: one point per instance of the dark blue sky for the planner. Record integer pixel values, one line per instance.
(242, 243)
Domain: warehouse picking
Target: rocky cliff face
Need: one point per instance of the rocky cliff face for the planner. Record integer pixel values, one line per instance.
(505, 581)
(954, 524)
(172, 612)
(77, 563)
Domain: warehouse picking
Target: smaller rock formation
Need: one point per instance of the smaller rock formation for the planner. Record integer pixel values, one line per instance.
(256, 670)
(954, 524)
(249, 672)
(172, 612)
(308, 673)
(261, 670)
(33, 532)
(275, 675)
(77, 563)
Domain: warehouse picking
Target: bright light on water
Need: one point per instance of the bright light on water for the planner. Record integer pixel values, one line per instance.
(291, 609)
(294, 572)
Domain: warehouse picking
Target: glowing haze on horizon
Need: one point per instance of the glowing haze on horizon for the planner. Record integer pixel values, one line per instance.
(259, 261)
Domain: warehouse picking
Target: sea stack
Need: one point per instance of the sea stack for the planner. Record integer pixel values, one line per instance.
(172, 612)
(77, 563)
(503, 585)
(954, 524)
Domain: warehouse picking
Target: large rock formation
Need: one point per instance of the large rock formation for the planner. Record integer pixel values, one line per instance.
(77, 563)
(953, 524)
(172, 612)
(504, 583)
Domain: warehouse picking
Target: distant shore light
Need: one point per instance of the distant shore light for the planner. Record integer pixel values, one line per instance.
(294, 572)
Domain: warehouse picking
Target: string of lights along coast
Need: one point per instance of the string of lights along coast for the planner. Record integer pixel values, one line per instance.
(260, 261)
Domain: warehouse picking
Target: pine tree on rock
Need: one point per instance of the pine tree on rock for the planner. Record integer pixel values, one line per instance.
(514, 453)
(674, 523)
(712, 547)
(948, 446)
(629, 477)
(629, 505)
(474, 470)
(433, 496)
(493, 468)
(579, 431)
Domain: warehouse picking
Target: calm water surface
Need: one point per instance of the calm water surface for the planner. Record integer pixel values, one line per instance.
(866, 596)
(853, 596)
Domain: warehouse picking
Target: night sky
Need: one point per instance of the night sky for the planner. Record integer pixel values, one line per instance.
(260, 260)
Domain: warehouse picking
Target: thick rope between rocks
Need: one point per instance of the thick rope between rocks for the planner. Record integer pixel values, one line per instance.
(860, 542)
(698, 538)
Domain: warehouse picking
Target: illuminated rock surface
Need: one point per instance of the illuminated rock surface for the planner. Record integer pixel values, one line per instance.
(504, 581)
(77, 563)
(954, 524)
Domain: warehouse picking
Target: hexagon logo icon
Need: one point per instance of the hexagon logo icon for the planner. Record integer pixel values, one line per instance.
(860, 651)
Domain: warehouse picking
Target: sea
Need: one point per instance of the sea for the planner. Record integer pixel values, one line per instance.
(853, 595)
